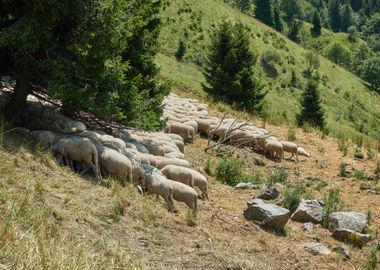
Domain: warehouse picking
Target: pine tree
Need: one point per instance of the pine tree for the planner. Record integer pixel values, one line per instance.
(264, 12)
(229, 68)
(347, 18)
(294, 32)
(334, 15)
(244, 5)
(356, 5)
(181, 51)
(293, 10)
(278, 21)
(311, 109)
(317, 27)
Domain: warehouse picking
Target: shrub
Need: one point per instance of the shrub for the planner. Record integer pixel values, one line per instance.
(360, 175)
(333, 203)
(269, 60)
(293, 196)
(181, 51)
(279, 176)
(208, 167)
(342, 146)
(358, 154)
(342, 169)
(229, 171)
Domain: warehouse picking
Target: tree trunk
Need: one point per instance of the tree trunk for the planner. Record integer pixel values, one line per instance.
(18, 99)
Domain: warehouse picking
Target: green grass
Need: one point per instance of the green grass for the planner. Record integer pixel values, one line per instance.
(352, 111)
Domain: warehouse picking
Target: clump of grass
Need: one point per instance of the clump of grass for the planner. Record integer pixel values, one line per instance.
(360, 175)
(377, 170)
(370, 153)
(120, 202)
(358, 153)
(293, 196)
(372, 259)
(278, 176)
(369, 217)
(256, 178)
(291, 134)
(208, 167)
(333, 203)
(342, 169)
(191, 218)
(229, 171)
(342, 144)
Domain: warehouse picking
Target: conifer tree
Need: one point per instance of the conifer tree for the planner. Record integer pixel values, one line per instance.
(347, 18)
(311, 108)
(317, 27)
(294, 31)
(278, 21)
(229, 68)
(181, 51)
(264, 12)
(334, 15)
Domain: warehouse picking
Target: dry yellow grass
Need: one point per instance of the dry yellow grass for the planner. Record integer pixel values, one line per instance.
(51, 218)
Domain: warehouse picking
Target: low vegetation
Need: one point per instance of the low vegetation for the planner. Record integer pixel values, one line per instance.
(292, 196)
(333, 203)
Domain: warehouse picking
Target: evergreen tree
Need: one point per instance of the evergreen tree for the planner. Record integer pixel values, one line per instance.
(278, 21)
(292, 9)
(356, 5)
(87, 54)
(317, 27)
(229, 68)
(294, 31)
(347, 18)
(244, 5)
(311, 108)
(324, 15)
(334, 15)
(264, 11)
(180, 51)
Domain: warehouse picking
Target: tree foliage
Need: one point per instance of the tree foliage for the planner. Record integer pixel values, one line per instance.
(88, 54)
(294, 31)
(371, 72)
(312, 63)
(229, 67)
(334, 15)
(264, 11)
(311, 108)
(317, 25)
(339, 54)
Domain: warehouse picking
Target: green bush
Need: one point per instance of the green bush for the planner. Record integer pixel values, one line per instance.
(229, 171)
(181, 51)
(293, 196)
(360, 175)
(333, 203)
(269, 60)
(256, 178)
(279, 176)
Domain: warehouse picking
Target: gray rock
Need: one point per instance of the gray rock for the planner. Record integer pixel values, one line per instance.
(317, 249)
(308, 211)
(351, 237)
(308, 226)
(343, 251)
(347, 220)
(321, 163)
(364, 186)
(245, 186)
(268, 193)
(267, 214)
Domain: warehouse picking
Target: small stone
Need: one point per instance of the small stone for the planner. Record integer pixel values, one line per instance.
(245, 186)
(364, 186)
(343, 251)
(267, 214)
(308, 226)
(269, 193)
(317, 249)
(321, 163)
(308, 211)
(352, 237)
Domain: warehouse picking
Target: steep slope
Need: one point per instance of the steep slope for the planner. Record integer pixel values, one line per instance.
(352, 110)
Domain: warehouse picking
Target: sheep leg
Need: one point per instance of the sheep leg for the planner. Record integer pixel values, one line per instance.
(297, 157)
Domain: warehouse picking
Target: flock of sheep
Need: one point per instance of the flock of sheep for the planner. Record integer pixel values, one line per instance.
(155, 161)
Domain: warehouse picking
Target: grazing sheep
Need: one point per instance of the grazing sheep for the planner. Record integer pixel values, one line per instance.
(78, 149)
(175, 155)
(177, 174)
(154, 148)
(192, 123)
(161, 162)
(275, 149)
(138, 174)
(289, 147)
(116, 164)
(180, 145)
(174, 136)
(157, 184)
(185, 131)
(173, 171)
(115, 143)
(45, 137)
(184, 193)
(302, 152)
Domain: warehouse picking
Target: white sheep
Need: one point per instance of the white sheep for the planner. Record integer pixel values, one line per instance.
(175, 155)
(185, 131)
(275, 149)
(161, 162)
(184, 193)
(302, 152)
(116, 164)
(177, 174)
(78, 149)
(157, 184)
(45, 137)
(289, 147)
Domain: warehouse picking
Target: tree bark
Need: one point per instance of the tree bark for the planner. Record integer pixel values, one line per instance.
(18, 99)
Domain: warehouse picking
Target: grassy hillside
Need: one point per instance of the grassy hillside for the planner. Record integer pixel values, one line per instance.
(352, 110)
